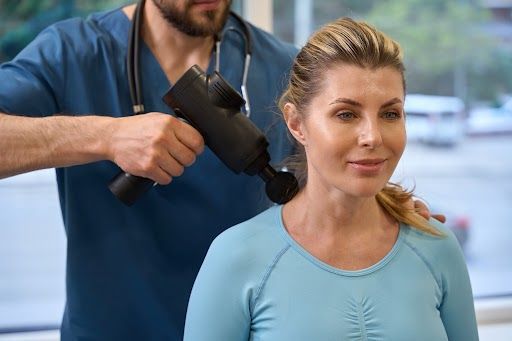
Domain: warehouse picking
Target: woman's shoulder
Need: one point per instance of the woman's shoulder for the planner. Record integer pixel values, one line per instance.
(259, 224)
(439, 251)
(256, 240)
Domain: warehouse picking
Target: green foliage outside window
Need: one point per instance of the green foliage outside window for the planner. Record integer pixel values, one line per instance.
(449, 45)
(446, 48)
(22, 20)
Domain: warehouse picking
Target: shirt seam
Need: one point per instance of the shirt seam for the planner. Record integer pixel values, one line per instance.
(103, 21)
(362, 324)
(266, 276)
(102, 16)
(427, 264)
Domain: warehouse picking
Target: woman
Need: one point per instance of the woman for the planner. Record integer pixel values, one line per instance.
(345, 259)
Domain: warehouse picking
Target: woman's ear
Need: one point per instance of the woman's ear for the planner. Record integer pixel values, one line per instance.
(294, 121)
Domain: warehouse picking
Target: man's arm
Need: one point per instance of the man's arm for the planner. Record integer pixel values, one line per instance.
(33, 143)
(424, 211)
(155, 145)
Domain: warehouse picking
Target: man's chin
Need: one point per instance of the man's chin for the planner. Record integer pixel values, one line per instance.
(193, 21)
(210, 22)
(205, 27)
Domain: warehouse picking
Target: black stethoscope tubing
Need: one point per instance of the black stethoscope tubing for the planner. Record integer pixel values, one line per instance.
(133, 58)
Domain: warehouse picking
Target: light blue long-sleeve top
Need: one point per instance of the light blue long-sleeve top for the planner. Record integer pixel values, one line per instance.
(257, 283)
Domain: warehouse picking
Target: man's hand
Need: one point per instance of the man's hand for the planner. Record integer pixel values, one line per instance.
(154, 145)
(423, 210)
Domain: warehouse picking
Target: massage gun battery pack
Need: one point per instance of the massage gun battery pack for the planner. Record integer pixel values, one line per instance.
(212, 107)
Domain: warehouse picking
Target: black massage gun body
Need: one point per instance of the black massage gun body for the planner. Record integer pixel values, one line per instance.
(227, 132)
(212, 106)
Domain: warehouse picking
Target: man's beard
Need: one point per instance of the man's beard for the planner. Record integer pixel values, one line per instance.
(182, 20)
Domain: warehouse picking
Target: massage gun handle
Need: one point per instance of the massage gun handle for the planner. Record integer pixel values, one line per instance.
(128, 188)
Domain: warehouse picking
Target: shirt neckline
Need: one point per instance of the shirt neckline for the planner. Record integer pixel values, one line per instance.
(350, 273)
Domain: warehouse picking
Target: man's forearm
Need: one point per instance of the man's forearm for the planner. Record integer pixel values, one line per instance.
(28, 143)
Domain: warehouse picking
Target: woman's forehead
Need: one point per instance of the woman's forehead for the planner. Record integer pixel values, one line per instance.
(353, 81)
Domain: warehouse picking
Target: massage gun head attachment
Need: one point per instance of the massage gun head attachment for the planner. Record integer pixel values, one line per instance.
(281, 186)
(212, 106)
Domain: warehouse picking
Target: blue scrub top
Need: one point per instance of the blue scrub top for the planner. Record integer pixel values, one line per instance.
(130, 270)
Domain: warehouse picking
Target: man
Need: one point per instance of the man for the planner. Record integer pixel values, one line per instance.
(130, 269)
(66, 104)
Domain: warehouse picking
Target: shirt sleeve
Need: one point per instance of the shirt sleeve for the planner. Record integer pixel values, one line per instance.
(457, 308)
(28, 82)
(218, 308)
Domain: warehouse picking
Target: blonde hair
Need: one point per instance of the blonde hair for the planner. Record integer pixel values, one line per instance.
(346, 41)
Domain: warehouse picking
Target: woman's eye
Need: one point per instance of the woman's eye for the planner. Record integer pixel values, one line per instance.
(346, 115)
(391, 115)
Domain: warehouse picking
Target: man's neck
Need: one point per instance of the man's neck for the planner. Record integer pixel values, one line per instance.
(175, 51)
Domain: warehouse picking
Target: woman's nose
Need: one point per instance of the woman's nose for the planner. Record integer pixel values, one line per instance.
(370, 135)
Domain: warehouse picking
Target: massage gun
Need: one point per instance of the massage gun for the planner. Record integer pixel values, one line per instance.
(212, 107)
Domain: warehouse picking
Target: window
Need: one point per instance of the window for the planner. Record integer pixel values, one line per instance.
(32, 252)
(459, 160)
(469, 181)
(32, 236)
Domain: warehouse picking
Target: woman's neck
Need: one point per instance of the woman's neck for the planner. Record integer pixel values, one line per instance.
(345, 232)
(334, 212)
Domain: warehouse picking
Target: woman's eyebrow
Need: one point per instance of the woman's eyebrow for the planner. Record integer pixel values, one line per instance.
(346, 100)
(391, 102)
(357, 104)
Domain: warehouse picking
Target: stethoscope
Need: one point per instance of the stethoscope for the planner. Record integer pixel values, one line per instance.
(133, 56)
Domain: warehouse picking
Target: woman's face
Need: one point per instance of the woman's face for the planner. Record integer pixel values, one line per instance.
(353, 131)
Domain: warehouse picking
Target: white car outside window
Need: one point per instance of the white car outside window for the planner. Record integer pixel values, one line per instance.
(434, 120)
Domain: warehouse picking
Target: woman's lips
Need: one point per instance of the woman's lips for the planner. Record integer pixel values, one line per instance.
(368, 166)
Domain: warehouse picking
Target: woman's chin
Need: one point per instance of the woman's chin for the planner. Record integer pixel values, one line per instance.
(363, 191)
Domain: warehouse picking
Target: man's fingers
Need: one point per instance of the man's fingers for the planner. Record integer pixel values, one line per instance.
(440, 217)
(171, 166)
(182, 154)
(154, 145)
(161, 177)
(190, 137)
(424, 211)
